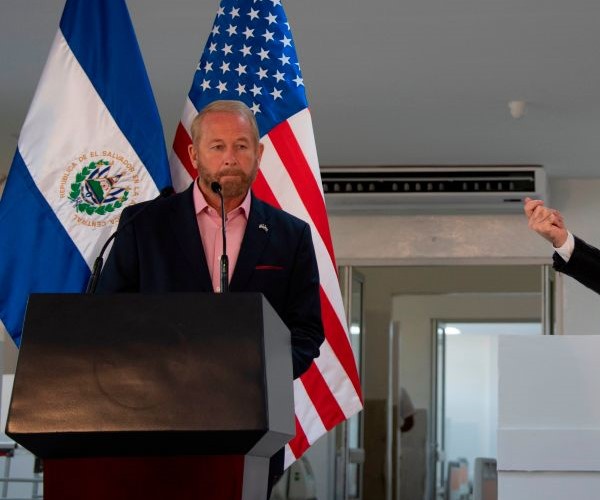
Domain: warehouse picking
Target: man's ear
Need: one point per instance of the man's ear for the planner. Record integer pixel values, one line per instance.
(261, 148)
(193, 156)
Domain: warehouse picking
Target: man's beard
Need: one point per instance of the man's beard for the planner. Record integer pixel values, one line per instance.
(236, 184)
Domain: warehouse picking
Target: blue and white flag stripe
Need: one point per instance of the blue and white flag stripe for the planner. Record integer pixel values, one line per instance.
(66, 122)
(118, 75)
(91, 144)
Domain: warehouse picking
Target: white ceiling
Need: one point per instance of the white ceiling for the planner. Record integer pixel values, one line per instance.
(388, 81)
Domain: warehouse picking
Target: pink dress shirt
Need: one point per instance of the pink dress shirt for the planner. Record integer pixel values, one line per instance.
(209, 225)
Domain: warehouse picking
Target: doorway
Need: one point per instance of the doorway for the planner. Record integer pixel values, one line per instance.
(411, 298)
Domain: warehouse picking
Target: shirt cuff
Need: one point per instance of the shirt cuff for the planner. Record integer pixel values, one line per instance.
(566, 250)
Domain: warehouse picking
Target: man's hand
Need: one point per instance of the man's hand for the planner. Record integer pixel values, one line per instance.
(546, 221)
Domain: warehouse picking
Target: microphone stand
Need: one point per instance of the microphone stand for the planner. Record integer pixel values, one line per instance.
(224, 262)
(98, 264)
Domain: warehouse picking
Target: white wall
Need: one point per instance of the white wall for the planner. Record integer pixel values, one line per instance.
(549, 409)
(436, 239)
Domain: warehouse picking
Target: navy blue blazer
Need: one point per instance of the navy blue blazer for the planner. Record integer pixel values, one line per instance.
(583, 265)
(161, 251)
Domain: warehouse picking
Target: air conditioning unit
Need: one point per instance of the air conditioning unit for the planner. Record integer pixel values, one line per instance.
(482, 189)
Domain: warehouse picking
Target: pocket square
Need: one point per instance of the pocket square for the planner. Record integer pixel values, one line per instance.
(269, 268)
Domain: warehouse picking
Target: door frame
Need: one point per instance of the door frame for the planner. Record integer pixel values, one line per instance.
(346, 456)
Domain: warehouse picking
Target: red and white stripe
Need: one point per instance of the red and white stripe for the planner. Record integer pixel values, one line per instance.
(289, 178)
(182, 170)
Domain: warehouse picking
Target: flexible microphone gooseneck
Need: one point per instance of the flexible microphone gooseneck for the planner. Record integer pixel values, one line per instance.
(216, 188)
(99, 262)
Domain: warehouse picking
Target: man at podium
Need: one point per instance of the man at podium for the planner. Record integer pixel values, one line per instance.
(175, 244)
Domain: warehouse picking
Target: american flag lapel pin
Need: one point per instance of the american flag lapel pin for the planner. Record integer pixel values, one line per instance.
(263, 227)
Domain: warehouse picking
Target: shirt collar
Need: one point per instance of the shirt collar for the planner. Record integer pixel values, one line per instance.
(200, 203)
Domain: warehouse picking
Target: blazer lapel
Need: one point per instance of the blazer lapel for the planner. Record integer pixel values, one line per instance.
(255, 239)
(185, 226)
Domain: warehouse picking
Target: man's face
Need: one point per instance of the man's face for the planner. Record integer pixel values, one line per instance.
(226, 152)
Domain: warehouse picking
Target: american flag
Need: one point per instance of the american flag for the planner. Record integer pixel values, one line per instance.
(250, 56)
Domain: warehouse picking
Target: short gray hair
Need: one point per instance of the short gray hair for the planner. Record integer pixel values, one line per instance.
(224, 106)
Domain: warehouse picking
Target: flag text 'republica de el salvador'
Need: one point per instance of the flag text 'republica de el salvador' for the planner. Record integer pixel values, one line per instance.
(250, 56)
(91, 144)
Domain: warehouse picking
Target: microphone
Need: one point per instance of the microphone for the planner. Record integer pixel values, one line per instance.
(99, 262)
(216, 188)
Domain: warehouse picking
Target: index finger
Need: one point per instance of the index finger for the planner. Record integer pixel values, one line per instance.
(531, 205)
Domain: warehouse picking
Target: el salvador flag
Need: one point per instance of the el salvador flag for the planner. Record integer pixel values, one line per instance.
(92, 143)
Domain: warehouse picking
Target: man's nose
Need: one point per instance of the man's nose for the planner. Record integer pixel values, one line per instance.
(230, 158)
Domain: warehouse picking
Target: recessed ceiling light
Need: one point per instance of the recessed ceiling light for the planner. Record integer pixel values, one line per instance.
(452, 330)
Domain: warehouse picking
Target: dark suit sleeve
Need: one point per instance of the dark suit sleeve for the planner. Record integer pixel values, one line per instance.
(583, 265)
(120, 273)
(303, 307)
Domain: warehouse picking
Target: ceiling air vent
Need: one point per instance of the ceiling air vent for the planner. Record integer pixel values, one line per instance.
(432, 189)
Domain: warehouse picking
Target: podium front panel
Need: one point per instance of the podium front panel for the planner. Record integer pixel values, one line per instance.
(133, 374)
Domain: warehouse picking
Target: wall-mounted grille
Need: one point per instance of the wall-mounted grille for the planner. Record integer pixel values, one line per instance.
(378, 188)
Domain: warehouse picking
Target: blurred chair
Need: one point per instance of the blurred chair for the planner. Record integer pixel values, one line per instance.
(485, 479)
(457, 482)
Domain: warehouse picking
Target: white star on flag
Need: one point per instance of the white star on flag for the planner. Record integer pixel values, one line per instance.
(276, 94)
(268, 35)
(255, 108)
(261, 73)
(241, 89)
(256, 90)
(222, 87)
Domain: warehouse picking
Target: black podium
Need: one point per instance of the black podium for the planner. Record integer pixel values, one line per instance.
(176, 384)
